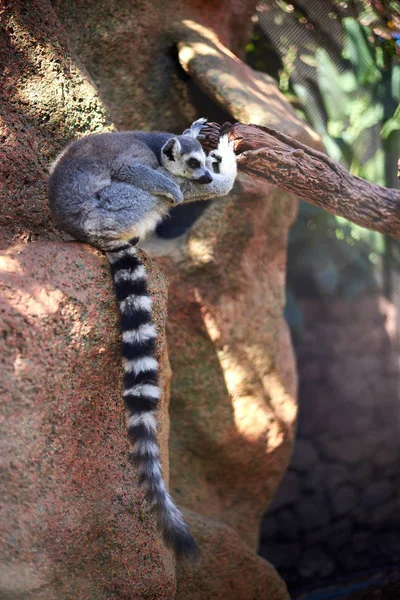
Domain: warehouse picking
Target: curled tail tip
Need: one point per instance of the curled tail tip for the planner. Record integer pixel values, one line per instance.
(174, 529)
(183, 545)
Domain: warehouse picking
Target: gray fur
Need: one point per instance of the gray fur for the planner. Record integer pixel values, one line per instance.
(117, 185)
(105, 190)
(195, 128)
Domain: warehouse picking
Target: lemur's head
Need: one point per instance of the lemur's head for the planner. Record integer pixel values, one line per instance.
(183, 155)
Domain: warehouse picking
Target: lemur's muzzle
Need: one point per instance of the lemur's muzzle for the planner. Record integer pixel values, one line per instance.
(206, 178)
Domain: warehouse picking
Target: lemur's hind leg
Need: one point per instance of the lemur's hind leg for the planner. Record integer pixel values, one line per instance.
(121, 211)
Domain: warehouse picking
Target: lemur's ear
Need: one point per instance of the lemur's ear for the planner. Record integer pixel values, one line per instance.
(171, 149)
(195, 128)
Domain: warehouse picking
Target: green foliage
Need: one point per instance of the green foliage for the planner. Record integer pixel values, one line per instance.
(357, 114)
(357, 108)
(392, 124)
(359, 51)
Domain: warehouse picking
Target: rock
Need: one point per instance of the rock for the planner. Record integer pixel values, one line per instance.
(385, 456)
(385, 515)
(283, 554)
(304, 456)
(56, 99)
(233, 392)
(349, 450)
(269, 526)
(349, 561)
(353, 420)
(389, 543)
(348, 405)
(378, 516)
(315, 563)
(315, 411)
(333, 536)
(343, 500)
(378, 492)
(226, 563)
(289, 490)
(327, 476)
(234, 377)
(362, 475)
(234, 387)
(211, 64)
(340, 533)
(287, 523)
(74, 521)
(361, 541)
(312, 512)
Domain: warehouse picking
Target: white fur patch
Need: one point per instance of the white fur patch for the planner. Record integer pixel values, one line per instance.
(148, 224)
(134, 302)
(155, 471)
(147, 419)
(200, 156)
(146, 447)
(141, 334)
(129, 275)
(140, 365)
(228, 165)
(143, 389)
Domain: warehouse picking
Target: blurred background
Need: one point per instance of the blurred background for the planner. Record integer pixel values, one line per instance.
(337, 511)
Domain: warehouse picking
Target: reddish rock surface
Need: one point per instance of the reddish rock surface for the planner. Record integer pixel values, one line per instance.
(74, 523)
(240, 90)
(227, 568)
(47, 99)
(77, 527)
(233, 404)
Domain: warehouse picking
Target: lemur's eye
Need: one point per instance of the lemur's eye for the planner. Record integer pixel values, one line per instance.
(193, 163)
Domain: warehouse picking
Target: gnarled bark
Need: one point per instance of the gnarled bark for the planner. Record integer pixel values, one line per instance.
(278, 158)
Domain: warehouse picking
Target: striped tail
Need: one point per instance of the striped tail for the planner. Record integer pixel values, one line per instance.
(142, 392)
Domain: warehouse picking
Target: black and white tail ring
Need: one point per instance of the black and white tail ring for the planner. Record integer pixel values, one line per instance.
(142, 392)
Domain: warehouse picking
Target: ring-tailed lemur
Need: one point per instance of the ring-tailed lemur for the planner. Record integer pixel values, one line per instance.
(110, 190)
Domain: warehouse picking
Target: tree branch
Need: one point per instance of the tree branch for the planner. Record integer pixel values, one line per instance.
(311, 175)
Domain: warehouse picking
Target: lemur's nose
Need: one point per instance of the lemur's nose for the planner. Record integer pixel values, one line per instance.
(206, 178)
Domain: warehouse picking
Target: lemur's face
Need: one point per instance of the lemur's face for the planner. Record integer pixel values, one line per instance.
(183, 156)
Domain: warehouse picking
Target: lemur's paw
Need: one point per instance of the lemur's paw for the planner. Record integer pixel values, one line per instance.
(175, 196)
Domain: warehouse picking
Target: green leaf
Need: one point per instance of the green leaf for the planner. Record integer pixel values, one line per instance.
(312, 109)
(360, 52)
(330, 85)
(395, 82)
(364, 123)
(374, 168)
(338, 149)
(348, 82)
(391, 147)
(391, 125)
(365, 147)
(308, 59)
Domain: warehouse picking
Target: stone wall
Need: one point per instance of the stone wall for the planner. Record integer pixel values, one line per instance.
(337, 509)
